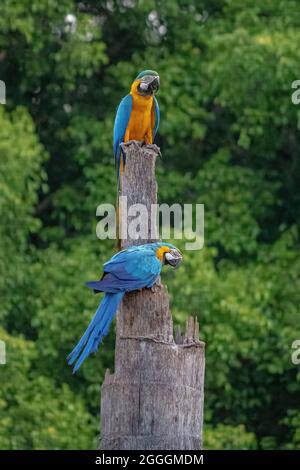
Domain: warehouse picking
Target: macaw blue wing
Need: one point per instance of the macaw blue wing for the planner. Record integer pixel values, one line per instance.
(121, 282)
(139, 261)
(157, 116)
(120, 125)
(128, 270)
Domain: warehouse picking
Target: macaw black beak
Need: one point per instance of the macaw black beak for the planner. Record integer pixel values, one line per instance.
(154, 85)
(149, 85)
(173, 258)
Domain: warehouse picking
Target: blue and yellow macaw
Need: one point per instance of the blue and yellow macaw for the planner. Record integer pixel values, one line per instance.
(131, 269)
(138, 114)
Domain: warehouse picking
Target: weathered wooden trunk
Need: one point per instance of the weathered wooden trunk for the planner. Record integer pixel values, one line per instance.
(154, 399)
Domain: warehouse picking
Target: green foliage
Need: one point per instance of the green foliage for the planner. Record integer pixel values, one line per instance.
(34, 412)
(238, 195)
(229, 136)
(21, 176)
(229, 438)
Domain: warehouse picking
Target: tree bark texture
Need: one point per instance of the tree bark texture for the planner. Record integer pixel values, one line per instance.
(154, 399)
(138, 186)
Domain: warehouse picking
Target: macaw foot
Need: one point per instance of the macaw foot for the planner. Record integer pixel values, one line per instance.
(136, 143)
(155, 285)
(155, 148)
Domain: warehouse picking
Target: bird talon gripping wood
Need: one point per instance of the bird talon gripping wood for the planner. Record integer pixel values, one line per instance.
(136, 143)
(155, 148)
(138, 116)
(129, 270)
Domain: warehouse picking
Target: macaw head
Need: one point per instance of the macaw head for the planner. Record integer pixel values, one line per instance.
(168, 254)
(147, 83)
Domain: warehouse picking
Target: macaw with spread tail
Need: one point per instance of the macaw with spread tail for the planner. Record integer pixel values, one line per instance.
(138, 114)
(131, 269)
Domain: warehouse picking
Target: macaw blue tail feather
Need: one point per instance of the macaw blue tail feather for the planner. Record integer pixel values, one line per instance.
(96, 330)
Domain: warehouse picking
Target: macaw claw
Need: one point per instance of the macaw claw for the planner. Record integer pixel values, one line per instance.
(155, 148)
(136, 143)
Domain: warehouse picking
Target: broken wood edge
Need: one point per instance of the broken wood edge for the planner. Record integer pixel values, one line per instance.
(132, 146)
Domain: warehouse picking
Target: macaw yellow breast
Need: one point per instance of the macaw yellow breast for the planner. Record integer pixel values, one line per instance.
(140, 125)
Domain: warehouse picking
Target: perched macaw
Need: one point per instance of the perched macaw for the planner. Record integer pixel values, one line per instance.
(138, 114)
(131, 269)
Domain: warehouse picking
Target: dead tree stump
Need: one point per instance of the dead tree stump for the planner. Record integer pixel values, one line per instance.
(154, 399)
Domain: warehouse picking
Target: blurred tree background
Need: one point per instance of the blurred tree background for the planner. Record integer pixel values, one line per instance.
(230, 139)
